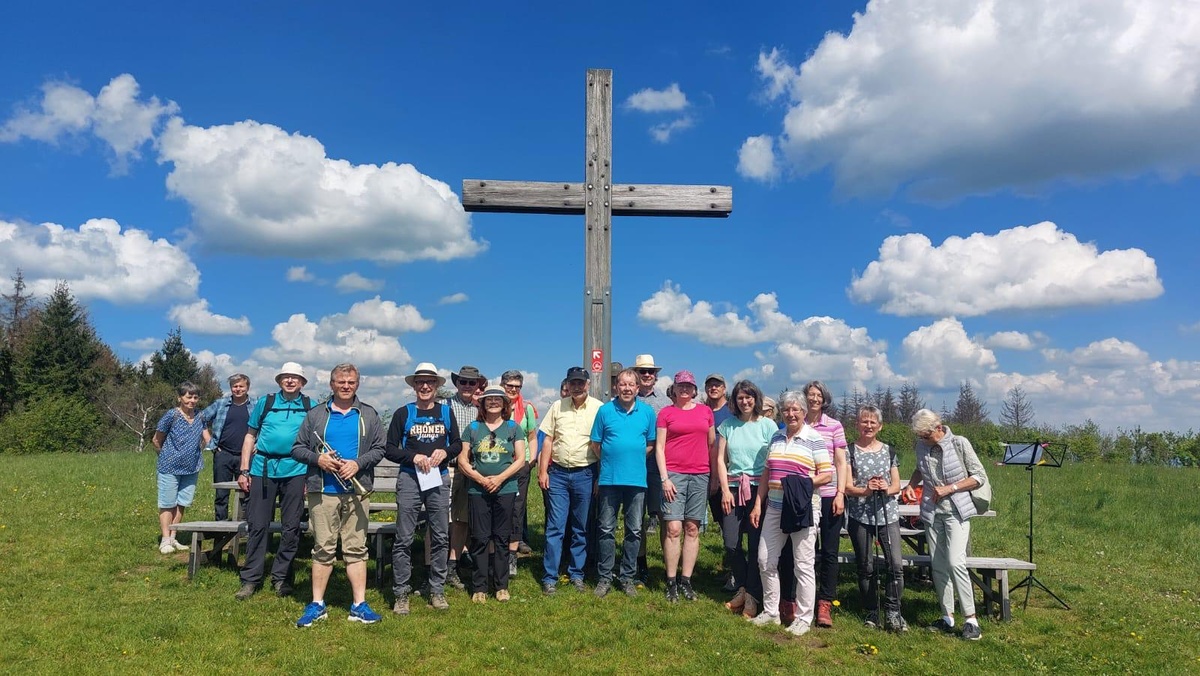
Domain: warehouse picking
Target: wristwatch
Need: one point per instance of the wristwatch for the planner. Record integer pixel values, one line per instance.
(244, 472)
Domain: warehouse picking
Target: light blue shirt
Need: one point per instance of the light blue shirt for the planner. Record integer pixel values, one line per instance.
(623, 437)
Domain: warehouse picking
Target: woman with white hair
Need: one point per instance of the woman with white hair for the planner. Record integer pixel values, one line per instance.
(949, 470)
(797, 461)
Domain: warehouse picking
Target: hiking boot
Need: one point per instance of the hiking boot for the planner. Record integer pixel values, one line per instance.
(941, 626)
(312, 612)
(524, 549)
(731, 584)
(438, 601)
(824, 614)
(578, 585)
(602, 589)
(673, 592)
(400, 607)
(738, 601)
(798, 628)
(686, 591)
(478, 597)
(872, 620)
(246, 591)
(282, 588)
(787, 612)
(502, 595)
(452, 578)
(629, 587)
(765, 619)
(549, 588)
(361, 612)
(750, 609)
(895, 622)
(971, 631)
(512, 566)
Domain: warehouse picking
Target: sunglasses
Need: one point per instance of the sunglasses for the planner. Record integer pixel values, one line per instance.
(646, 372)
(422, 383)
(467, 383)
(512, 386)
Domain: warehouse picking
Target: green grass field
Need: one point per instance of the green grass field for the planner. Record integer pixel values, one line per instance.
(83, 589)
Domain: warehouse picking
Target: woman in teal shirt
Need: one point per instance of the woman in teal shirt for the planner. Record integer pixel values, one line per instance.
(742, 442)
(493, 453)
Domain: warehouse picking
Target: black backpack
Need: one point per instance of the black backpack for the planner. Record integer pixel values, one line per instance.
(306, 403)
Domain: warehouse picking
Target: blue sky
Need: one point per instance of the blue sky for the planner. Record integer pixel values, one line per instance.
(938, 191)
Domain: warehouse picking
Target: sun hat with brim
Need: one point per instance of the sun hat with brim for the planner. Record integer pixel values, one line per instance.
(467, 372)
(645, 361)
(291, 368)
(493, 391)
(685, 378)
(424, 370)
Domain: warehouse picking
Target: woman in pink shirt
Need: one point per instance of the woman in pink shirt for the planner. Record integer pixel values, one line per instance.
(685, 450)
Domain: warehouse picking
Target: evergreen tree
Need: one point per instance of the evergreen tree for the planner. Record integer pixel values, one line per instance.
(887, 404)
(62, 353)
(910, 402)
(16, 314)
(968, 410)
(173, 363)
(1016, 412)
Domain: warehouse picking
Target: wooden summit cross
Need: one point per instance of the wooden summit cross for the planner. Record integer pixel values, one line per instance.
(598, 199)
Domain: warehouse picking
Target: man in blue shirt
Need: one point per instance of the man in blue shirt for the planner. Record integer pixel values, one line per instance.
(267, 471)
(623, 436)
(352, 430)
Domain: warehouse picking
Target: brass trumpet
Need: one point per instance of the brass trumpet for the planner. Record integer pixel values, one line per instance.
(353, 485)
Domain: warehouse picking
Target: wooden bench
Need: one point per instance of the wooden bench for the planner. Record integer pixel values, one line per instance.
(221, 532)
(991, 578)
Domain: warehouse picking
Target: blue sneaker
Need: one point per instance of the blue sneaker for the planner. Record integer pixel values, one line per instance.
(361, 612)
(312, 612)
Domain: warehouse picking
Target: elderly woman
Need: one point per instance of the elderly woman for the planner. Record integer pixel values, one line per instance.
(493, 454)
(948, 469)
(798, 462)
(871, 492)
(178, 438)
(684, 449)
(833, 508)
(742, 443)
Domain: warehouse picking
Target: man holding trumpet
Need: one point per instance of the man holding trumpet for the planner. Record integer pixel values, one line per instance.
(341, 441)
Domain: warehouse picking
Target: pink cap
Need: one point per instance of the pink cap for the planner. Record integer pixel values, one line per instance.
(685, 377)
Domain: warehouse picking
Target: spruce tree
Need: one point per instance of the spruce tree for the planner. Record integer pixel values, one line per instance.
(968, 410)
(61, 353)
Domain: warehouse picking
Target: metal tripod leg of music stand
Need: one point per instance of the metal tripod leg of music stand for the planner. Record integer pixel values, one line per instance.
(1031, 580)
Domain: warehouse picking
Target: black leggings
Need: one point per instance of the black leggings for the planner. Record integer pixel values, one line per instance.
(827, 550)
(743, 563)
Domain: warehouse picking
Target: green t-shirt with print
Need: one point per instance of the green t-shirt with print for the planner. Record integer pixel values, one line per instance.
(492, 453)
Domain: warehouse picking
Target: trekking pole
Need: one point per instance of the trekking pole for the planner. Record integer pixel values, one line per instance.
(875, 496)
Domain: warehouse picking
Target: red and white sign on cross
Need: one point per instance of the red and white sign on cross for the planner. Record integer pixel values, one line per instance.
(597, 361)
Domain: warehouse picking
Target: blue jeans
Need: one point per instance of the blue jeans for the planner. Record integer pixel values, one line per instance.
(570, 497)
(630, 500)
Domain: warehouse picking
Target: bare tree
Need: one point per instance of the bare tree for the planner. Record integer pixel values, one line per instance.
(1016, 411)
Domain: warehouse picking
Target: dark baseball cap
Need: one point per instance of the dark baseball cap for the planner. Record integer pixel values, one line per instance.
(577, 373)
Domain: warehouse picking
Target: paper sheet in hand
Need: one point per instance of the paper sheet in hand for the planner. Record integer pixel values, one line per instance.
(430, 479)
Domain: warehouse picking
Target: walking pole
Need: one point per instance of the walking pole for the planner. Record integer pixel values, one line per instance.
(875, 560)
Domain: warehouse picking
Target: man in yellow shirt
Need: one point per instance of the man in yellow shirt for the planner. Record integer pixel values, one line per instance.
(567, 472)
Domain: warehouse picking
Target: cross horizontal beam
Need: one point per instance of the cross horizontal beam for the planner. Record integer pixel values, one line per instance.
(534, 197)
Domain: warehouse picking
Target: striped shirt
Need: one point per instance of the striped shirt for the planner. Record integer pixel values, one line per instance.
(835, 437)
(804, 454)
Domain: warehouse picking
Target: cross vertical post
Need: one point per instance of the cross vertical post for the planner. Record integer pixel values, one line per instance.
(597, 314)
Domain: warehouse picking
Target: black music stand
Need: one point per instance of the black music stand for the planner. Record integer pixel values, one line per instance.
(1031, 454)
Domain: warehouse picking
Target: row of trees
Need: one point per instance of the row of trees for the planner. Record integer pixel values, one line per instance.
(1016, 413)
(63, 389)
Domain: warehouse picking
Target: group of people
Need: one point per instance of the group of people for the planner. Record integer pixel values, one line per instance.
(779, 478)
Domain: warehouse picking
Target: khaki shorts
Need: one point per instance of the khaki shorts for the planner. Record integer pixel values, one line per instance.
(338, 516)
(459, 513)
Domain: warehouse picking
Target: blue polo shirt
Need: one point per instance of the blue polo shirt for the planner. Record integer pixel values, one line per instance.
(623, 437)
(342, 434)
(274, 441)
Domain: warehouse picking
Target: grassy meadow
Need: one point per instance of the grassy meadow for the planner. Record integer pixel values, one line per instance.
(83, 589)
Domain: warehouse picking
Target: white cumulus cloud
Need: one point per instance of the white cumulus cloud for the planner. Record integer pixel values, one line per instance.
(387, 317)
(299, 273)
(141, 343)
(942, 354)
(197, 318)
(1107, 353)
(116, 115)
(756, 159)
(1008, 340)
(950, 97)
(650, 100)
(256, 189)
(355, 282)
(331, 342)
(662, 133)
(98, 260)
(1022, 268)
(453, 299)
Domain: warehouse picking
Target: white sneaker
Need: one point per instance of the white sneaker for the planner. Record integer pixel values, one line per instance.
(763, 619)
(166, 546)
(798, 628)
(179, 546)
